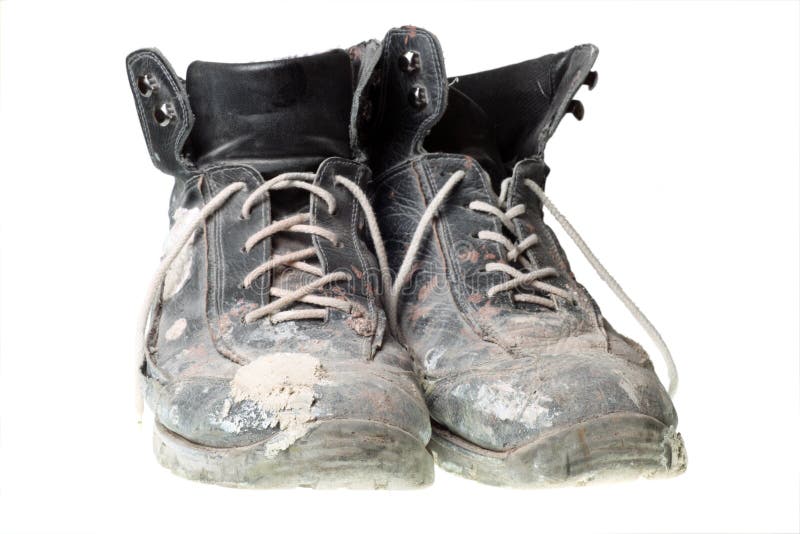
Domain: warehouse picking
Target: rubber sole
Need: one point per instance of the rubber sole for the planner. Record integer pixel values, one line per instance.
(333, 454)
(606, 449)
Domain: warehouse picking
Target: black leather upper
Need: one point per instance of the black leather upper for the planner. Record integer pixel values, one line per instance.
(402, 118)
(496, 371)
(524, 102)
(254, 122)
(265, 113)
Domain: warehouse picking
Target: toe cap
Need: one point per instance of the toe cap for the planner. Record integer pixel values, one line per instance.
(513, 403)
(203, 411)
(280, 395)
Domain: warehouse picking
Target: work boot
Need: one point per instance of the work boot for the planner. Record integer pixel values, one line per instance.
(526, 382)
(265, 356)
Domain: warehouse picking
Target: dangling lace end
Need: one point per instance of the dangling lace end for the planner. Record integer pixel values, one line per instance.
(183, 234)
(602, 272)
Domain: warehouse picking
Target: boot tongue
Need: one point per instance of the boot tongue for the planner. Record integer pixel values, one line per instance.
(285, 115)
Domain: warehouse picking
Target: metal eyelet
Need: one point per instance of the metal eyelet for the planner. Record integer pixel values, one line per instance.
(164, 114)
(591, 79)
(409, 62)
(576, 108)
(418, 97)
(147, 84)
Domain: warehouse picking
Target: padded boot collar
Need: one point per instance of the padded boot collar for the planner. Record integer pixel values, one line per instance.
(292, 113)
(276, 115)
(526, 101)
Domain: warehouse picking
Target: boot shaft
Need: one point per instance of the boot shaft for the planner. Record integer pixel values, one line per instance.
(508, 344)
(423, 132)
(230, 124)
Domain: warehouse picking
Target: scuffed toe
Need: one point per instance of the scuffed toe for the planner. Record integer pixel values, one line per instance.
(281, 397)
(514, 403)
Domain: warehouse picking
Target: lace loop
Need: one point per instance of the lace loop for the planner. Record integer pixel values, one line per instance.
(276, 311)
(515, 250)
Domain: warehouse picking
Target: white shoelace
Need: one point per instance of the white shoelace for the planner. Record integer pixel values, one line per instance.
(515, 252)
(275, 311)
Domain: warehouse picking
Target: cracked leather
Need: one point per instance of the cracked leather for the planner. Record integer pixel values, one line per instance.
(197, 339)
(496, 372)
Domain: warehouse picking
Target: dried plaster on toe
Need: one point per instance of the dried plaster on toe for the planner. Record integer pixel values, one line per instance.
(282, 387)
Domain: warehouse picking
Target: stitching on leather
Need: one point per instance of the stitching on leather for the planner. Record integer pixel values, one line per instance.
(218, 267)
(362, 259)
(313, 201)
(589, 307)
(140, 107)
(331, 166)
(355, 210)
(475, 168)
(424, 129)
(220, 271)
(397, 172)
(518, 197)
(466, 307)
(442, 249)
(179, 95)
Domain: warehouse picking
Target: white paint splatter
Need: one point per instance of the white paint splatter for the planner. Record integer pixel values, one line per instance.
(281, 332)
(506, 403)
(432, 357)
(176, 330)
(628, 388)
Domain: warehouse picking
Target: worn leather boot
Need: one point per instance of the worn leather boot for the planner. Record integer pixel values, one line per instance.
(526, 382)
(265, 356)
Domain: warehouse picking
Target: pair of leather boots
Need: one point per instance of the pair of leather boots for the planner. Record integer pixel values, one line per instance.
(358, 280)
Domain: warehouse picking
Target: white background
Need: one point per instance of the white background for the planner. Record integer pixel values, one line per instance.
(683, 177)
